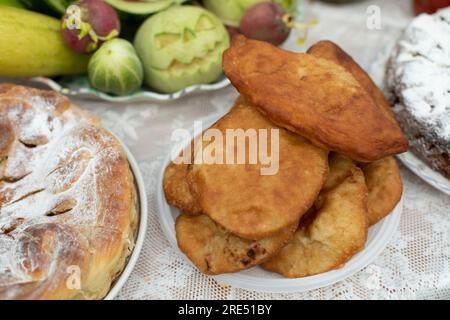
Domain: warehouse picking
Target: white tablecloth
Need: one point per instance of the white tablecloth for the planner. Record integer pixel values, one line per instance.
(416, 264)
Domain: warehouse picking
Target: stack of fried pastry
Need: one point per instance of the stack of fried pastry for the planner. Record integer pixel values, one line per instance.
(336, 174)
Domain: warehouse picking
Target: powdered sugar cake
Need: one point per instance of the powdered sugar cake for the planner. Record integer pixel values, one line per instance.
(67, 199)
(419, 80)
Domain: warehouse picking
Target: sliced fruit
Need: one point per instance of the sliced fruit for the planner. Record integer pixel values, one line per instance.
(141, 7)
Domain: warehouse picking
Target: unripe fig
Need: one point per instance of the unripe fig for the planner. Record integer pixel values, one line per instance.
(266, 22)
(88, 23)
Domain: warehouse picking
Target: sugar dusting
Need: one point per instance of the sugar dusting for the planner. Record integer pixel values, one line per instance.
(51, 176)
(420, 71)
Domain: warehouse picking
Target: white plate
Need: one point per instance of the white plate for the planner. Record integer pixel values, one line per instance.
(143, 213)
(260, 280)
(79, 86)
(422, 170)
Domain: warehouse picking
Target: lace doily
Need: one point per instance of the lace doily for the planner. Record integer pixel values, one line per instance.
(416, 264)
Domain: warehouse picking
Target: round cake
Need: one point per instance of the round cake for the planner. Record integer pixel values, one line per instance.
(68, 209)
(419, 81)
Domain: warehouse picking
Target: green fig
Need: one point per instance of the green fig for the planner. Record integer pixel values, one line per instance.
(115, 68)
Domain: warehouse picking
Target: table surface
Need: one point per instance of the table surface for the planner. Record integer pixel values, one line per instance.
(416, 263)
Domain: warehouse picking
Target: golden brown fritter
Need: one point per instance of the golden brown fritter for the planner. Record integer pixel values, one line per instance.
(335, 232)
(331, 51)
(213, 250)
(382, 177)
(249, 204)
(176, 188)
(313, 97)
(385, 187)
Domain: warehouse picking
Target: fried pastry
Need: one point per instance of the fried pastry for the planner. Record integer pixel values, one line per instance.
(332, 52)
(383, 176)
(313, 97)
(335, 230)
(245, 202)
(176, 188)
(214, 250)
(385, 187)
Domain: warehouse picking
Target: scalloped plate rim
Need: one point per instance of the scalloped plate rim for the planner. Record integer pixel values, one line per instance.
(145, 95)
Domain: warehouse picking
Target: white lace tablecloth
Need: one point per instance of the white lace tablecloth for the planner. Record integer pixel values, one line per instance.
(416, 264)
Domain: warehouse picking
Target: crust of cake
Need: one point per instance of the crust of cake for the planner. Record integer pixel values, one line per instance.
(417, 80)
(68, 203)
(424, 143)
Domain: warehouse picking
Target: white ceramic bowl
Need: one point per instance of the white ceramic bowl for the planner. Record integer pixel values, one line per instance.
(258, 279)
(143, 214)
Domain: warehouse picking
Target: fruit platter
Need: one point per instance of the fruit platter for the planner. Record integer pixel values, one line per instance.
(119, 50)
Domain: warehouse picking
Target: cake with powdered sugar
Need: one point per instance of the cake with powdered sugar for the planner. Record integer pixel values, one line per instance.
(68, 211)
(419, 81)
